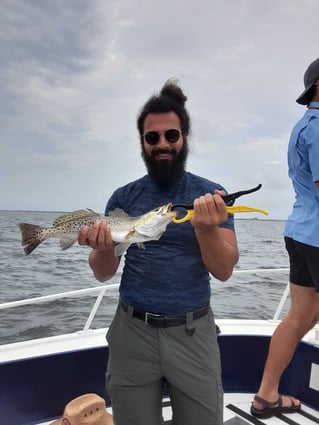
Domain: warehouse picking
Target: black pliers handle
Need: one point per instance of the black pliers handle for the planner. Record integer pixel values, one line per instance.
(229, 201)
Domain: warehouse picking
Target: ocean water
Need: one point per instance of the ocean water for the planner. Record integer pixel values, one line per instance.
(49, 270)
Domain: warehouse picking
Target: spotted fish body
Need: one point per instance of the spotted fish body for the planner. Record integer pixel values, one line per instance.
(125, 230)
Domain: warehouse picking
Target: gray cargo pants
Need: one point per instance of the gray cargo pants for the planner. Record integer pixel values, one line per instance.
(141, 355)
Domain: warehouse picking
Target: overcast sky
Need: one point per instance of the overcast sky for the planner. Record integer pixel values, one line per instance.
(75, 73)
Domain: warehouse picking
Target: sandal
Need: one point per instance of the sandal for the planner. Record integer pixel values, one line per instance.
(273, 408)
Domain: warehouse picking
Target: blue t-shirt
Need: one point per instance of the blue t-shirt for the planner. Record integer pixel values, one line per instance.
(169, 276)
(303, 163)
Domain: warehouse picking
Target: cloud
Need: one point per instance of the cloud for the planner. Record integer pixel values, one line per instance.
(74, 75)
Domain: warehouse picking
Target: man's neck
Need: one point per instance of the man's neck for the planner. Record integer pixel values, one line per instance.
(316, 94)
(314, 104)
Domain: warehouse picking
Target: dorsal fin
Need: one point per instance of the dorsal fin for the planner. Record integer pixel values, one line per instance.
(118, 212)
(75, 215)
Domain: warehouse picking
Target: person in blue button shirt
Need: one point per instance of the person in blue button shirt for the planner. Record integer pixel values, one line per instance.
(302, 244)
(163, 334)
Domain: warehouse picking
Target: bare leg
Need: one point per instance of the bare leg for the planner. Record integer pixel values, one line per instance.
(302, 316)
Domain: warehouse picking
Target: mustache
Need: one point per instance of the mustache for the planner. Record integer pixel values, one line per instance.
(158, 151)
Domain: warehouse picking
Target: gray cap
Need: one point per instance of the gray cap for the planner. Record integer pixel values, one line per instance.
(310, 77)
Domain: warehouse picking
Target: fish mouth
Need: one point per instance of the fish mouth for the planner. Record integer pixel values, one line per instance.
(169, 207)
(169, 210)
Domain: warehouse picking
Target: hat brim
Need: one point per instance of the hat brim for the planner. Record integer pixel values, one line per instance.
(56, 422)
(108, 420)
(303, 99)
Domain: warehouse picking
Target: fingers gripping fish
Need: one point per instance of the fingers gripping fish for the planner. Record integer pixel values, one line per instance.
(125, 230)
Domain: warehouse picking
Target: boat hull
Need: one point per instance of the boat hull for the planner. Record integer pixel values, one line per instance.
(35, 388)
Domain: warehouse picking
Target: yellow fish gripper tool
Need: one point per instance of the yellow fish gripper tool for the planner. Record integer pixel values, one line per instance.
(228, 199)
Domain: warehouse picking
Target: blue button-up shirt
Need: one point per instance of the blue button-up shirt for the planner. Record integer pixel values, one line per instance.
(303, 163)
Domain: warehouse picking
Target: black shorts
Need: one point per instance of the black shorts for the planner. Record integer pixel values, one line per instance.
(304, 263)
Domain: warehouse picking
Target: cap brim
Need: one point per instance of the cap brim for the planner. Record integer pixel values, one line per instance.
(303, 99)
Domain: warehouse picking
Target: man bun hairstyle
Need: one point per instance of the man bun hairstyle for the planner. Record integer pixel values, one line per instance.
(172, 89)
(170, 99)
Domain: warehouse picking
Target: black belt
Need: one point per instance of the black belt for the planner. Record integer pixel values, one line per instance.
(161, 320)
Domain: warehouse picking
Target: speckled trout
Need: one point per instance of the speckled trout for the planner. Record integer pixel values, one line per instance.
(125, 230)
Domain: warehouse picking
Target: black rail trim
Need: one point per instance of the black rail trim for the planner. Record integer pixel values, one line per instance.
(245, 415)
(253, 419)
(280, 416)
(307, 415)
(287, 420)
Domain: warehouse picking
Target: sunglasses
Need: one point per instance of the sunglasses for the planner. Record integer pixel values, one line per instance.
(172, 136)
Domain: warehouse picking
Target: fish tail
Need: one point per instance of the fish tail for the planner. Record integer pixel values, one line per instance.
(32, 236)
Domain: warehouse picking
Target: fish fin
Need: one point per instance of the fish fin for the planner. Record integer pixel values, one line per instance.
(66, 243)
(118, 212)
(75, 215)
(130, 234)
(121, 248)
(147, 230)
(156, 238)
(32, 236)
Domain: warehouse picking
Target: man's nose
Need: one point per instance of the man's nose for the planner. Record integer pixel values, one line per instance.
(162, 140)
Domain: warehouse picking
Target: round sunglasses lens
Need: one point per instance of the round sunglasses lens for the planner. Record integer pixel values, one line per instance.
(172, 135)
(152, 137)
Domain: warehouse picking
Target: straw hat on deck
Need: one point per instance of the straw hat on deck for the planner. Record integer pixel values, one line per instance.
(87, 409)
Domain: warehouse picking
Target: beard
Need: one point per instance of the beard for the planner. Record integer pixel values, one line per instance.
(165, 172)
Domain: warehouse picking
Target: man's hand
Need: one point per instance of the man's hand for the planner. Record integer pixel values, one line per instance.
(209, 211)
(97, 236)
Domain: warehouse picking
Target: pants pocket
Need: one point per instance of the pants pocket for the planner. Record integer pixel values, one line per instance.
(107, 382)
(110, 330)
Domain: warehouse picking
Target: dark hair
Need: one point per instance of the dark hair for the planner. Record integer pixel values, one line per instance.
(311, 93)
(170, 99)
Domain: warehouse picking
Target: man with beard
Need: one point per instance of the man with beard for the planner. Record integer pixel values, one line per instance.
(163, 332)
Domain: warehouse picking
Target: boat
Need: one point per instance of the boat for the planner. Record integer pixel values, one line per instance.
(40, 376)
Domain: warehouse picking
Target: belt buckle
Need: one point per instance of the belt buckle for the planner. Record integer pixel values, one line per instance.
(147, 315)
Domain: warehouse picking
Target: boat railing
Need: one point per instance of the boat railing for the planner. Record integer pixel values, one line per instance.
(285, 294)
(68, 294)
(102, 289)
